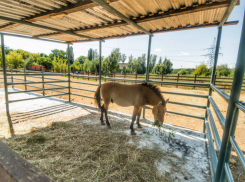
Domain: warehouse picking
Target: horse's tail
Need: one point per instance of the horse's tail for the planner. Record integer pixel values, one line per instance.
(97, 97)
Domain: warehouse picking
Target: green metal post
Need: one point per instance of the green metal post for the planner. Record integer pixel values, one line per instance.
(148, 59)
(100, 63)
(214, 71)
(147, 66)
(25, 76)
(43, 81)
(6, 87)
(12, 79)
(69, 72)
(234, 97)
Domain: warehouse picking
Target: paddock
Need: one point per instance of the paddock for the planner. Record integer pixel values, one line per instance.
(172, 153)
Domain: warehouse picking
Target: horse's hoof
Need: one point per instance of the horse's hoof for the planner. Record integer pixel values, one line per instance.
(102, 123)
(133, 133)
(109, 126)
(139, 126)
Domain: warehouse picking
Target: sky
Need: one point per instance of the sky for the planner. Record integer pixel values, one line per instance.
(186, 49)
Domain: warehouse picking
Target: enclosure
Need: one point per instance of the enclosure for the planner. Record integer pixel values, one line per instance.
(159, 155)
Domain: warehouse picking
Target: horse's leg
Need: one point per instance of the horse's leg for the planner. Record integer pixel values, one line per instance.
(101, 118)
(106, 106)
(136, 109)
(138, 119)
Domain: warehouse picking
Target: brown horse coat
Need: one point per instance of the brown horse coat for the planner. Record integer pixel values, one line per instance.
(131, 95)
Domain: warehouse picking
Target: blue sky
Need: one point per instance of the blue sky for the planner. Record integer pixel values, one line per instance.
(184, 48)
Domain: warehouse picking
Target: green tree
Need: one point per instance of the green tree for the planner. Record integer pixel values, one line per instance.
(45, 61)
(160, 69)
(57, 53)
(71, 54)
(223, 70)
(77, 66)
(90, 54)
(116, 54)
(169, 65)
(87, 65)
(125, 70)
(29, 61)
(81, 59)
(202, 69)
(183, 72)
(15, 59)
(124, 57)
(160, 61)
(110, 64)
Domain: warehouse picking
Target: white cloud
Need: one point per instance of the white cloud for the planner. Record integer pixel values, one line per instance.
(158, 50)
(184, 53)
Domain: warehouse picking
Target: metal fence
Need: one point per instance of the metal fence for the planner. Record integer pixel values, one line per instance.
(219, 166)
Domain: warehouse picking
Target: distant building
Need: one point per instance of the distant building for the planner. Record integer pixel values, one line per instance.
(35, 67)
(121, 66)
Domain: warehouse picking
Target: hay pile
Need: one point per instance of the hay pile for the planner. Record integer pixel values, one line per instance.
(71, 151)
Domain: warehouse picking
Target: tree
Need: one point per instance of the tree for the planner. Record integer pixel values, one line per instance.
(202, 69)
(71, 54)
(110, 64)
(182, 72)
(45, 61)
(57, 53)
(159, 69)
(29, 61)
(116, 54)
(160, 61)
(125, 70)
(81, 59)
(15, 59)
(223, 70)
(124, 57)
(90, 54)
(169, 65)
(87, 65)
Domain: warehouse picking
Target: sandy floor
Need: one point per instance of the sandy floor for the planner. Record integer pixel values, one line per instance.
(185, 149)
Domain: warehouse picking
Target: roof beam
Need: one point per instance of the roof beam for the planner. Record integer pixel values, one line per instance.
(47, 28)
(228, 11)
(120, 15)
(82, 5)
(149, 17)
(167, 30)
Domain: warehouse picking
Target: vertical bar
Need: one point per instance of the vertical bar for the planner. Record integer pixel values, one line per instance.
(234, 97)
(12, 79)
(43, 81)
(148, 59)
(100, 62)
(25, 76)
(147, 66)
(177, 81)
(69, 72)
(6, 87)
(214, 70)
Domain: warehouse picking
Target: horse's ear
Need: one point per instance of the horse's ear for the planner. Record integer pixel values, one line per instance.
(166, 101)
(160, 103)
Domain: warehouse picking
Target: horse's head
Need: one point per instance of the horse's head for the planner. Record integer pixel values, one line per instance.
(159, 111)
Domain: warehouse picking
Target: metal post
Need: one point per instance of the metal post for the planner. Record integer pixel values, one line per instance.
(25, 76)
(214, 71)
(43, 81)
(69, 72)
(6, 87)
(12, 79)
(100, 63)
(234, 97)
(148, 59)
(147, 67)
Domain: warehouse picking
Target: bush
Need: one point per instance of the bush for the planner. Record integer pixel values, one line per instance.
(223, 70)
(202, 70)
(183, 72)
(125, 70)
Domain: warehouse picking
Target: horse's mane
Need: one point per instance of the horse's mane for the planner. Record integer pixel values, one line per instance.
(156, 90)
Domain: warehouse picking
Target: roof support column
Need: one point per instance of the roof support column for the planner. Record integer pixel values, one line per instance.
(147, 66)
(100, 62)
(6, 87)
(231, 117)
(214, 70)
(69, 71)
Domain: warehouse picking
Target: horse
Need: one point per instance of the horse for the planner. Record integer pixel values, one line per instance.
(137, 95)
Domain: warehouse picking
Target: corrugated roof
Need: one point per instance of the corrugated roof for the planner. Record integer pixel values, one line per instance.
(89, 19)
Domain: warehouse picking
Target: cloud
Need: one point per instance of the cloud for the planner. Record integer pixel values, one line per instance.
(158, 50)
(184, 53)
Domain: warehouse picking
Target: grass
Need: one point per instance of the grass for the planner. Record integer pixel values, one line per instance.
(81, 152)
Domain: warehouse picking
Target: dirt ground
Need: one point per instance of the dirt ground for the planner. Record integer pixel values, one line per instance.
(195, 124)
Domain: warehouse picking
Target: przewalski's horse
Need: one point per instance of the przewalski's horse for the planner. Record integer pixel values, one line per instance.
(131, 95)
